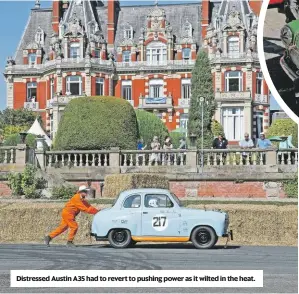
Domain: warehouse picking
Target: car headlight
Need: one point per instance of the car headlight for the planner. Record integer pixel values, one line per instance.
(286, 35)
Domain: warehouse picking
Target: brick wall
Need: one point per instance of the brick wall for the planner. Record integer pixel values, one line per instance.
(5, 191)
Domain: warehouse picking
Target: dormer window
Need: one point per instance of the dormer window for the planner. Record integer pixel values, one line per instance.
(186, 54)
(32, 58)
(75, 50)
(188, 29)
(39, 36)
(233, 47)
(217, 23)
(97, 53)
(126, 56)
(128, 32)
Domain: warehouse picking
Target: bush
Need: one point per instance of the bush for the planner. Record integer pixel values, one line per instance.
(15, 139)
(149, 125)
(63, 192)
(291, 188)
(94, 123)
(217, 129)
(26, 183)
(175, 139)
(284, 127)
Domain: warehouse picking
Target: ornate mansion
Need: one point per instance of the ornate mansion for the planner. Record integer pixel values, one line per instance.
(144, 54)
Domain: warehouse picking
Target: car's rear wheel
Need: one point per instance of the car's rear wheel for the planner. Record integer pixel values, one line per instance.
(119, 238)
(203, 237)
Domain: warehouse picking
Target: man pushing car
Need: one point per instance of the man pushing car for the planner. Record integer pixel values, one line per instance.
(72, 208)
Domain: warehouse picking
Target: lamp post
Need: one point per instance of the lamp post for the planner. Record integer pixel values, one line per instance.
(202, 101)
(23, 137)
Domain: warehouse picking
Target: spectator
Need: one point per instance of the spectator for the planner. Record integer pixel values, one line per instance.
(155, 145)
(263, 143)
(140, 147)
(220, 143)
(286, 144)
(168, 146)
(247, 143)
(183, 146)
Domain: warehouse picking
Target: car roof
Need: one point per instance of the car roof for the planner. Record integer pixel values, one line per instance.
(144, 190)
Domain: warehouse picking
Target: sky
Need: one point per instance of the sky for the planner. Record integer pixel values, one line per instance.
(13, 18)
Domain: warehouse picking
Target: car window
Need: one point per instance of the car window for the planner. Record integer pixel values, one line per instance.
(157, 201)
(132, 201)
(177, 200)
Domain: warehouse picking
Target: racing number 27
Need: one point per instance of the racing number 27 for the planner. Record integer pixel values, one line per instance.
(159, 221)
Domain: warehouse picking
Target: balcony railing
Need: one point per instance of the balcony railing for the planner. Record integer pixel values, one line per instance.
(7, 155)
(31, 105)
(246, 95)
(184, 102)
(235, 57)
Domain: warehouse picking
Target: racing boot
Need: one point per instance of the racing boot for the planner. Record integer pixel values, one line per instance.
(47, 240)
(70, 244)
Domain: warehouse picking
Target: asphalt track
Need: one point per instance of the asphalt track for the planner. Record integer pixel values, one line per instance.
(280, 264)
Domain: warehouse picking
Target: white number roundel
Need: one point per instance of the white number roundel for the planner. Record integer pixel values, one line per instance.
(159, 222)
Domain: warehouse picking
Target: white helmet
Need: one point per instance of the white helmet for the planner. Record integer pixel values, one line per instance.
(153, 203)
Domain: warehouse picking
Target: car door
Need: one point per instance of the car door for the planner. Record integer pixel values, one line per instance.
(160, 216)
(130, 216)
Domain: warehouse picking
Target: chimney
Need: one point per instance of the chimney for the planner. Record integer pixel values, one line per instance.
(205, 13)
(256, 6)
(113, 7)
(56, 15)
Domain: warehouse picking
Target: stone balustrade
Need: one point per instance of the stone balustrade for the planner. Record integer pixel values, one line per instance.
(7, 155)
(143, 158)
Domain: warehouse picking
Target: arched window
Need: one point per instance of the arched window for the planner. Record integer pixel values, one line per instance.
(75, 50)
(233, 47)
(156, 53)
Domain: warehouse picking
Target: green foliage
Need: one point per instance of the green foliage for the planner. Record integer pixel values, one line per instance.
(291, 188)
(217, 129)
(284, 127)
(149, 125)
(9, 130)
(17, 117)
(26, 183)
(175, 139)
(202, 86)
(63, 192)
(97, 123)
(15, 139)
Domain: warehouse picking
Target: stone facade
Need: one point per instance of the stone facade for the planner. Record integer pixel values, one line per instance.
(144, 54)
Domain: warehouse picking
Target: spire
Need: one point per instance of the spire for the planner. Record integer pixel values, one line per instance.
(37, 4)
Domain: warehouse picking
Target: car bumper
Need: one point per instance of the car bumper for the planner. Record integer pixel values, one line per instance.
(228, 235)
(288, 69)
(98, 238)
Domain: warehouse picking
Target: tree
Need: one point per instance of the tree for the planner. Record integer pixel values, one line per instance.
(149, 125)
(202, 86)
(217, 129)
(97, 123)
(284, 127)
(17, 117)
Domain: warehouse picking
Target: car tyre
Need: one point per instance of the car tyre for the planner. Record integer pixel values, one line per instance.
(204, 237)
(120, 238)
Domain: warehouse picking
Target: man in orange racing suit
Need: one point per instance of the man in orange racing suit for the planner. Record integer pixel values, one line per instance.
(72, 208)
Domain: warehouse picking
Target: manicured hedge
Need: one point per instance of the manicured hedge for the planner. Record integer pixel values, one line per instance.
(97, 123)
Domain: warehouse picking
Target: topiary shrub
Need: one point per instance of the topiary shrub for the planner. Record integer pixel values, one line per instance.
(149, 125)
(95, 123)
(284, 127)
(217, 128)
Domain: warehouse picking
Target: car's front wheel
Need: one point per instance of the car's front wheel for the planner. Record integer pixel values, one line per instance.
(119, 238)
(203, 237)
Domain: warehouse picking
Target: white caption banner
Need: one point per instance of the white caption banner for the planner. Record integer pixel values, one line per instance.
(136, 278)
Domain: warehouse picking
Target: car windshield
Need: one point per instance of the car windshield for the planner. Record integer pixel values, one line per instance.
(176, 199)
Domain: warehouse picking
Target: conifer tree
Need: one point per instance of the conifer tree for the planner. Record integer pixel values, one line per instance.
(202, 86)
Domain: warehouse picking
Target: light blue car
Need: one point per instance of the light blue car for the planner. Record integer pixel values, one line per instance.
(157, 215)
